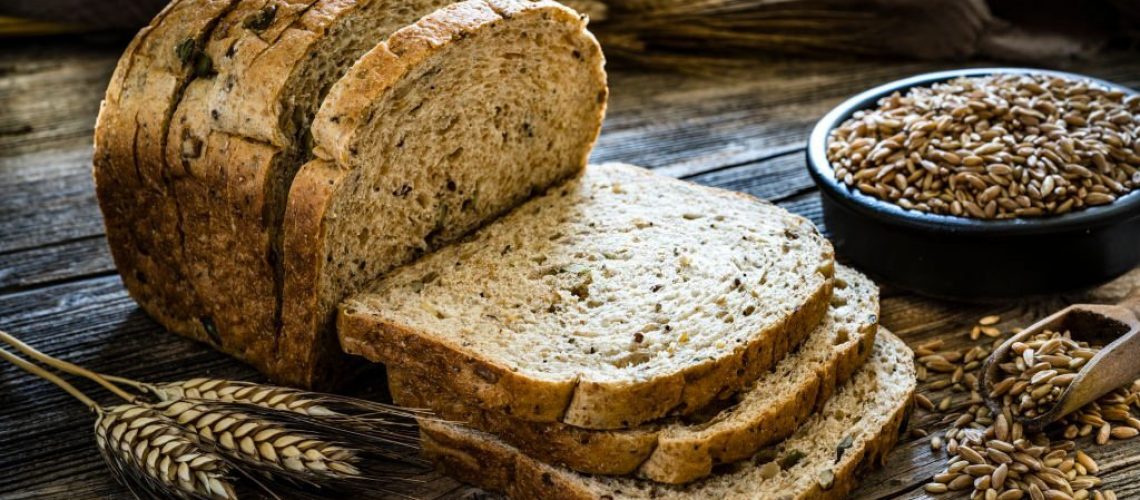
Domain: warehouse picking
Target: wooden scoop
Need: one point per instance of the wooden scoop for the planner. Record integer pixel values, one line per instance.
(1117, 364)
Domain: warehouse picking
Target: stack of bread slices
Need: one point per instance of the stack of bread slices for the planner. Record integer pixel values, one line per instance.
(629, 335)
(406, 180)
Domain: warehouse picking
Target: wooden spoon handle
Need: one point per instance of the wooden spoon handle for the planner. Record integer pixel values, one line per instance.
(1132, 301)
(1114, 366)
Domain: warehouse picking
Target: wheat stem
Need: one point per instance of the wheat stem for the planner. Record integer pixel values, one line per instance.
(50, 377)
(71, 368)
(134, 384)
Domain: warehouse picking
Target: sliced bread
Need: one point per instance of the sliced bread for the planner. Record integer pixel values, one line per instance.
(617, 298)
(449, 123)
(207, 121)
(856, 428)
(238, 138)
(683, 450)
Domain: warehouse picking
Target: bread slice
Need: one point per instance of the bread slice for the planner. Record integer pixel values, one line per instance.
(683, 450)
(142, 223)
(856, 428)
(617, 298)
(239, 136)
(451, 122)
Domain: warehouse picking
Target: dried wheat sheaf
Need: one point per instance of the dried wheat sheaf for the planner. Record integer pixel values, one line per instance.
(224, 439)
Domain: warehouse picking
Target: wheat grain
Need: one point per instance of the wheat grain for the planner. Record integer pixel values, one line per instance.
(280, 398)
(143, 447)
(263, 442)
(992, 454)
(993, 147)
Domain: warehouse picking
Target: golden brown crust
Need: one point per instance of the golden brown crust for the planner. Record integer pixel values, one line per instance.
(192, 219)
(583, 450)
(142, 221)
(221, 183)
(686, 457)
(309, 199)
(495, 467)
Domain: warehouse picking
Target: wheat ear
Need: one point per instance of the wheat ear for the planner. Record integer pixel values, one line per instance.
(146, 451)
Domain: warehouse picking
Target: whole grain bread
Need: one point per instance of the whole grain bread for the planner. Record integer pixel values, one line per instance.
(450, 123)
(617, 298)
(205, 124)
(237, 140)
(855, 429)
(683, 450)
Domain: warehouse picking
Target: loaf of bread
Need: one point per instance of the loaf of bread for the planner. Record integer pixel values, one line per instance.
(207, 122)
(854, 429)
(618, 298)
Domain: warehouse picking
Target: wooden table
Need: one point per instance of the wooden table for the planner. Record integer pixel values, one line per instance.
(741, 129)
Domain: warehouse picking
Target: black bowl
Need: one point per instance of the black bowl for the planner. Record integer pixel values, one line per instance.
(971, 259)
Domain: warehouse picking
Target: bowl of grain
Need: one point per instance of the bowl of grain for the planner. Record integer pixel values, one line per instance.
(984, 184)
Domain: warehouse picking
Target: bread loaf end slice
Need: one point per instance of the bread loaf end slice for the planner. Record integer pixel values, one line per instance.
(683, 450)
(614, 299)
(448, 124)
(854, 430)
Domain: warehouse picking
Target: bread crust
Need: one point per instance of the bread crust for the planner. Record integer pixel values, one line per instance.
(590, 405)
(658, 452)
(142, 222)
(480, 460)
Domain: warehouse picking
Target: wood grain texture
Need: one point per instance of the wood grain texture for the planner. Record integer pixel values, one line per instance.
(739, 128)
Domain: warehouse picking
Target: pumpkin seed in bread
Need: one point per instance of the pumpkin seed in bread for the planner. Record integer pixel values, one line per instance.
(617, 298)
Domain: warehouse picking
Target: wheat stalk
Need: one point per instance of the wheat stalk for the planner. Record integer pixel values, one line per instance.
(144, 450)
(210, 438)
(231, 391)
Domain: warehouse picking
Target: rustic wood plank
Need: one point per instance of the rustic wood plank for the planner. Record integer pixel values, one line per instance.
(69, 260)
(49, 197)
(50, 92)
